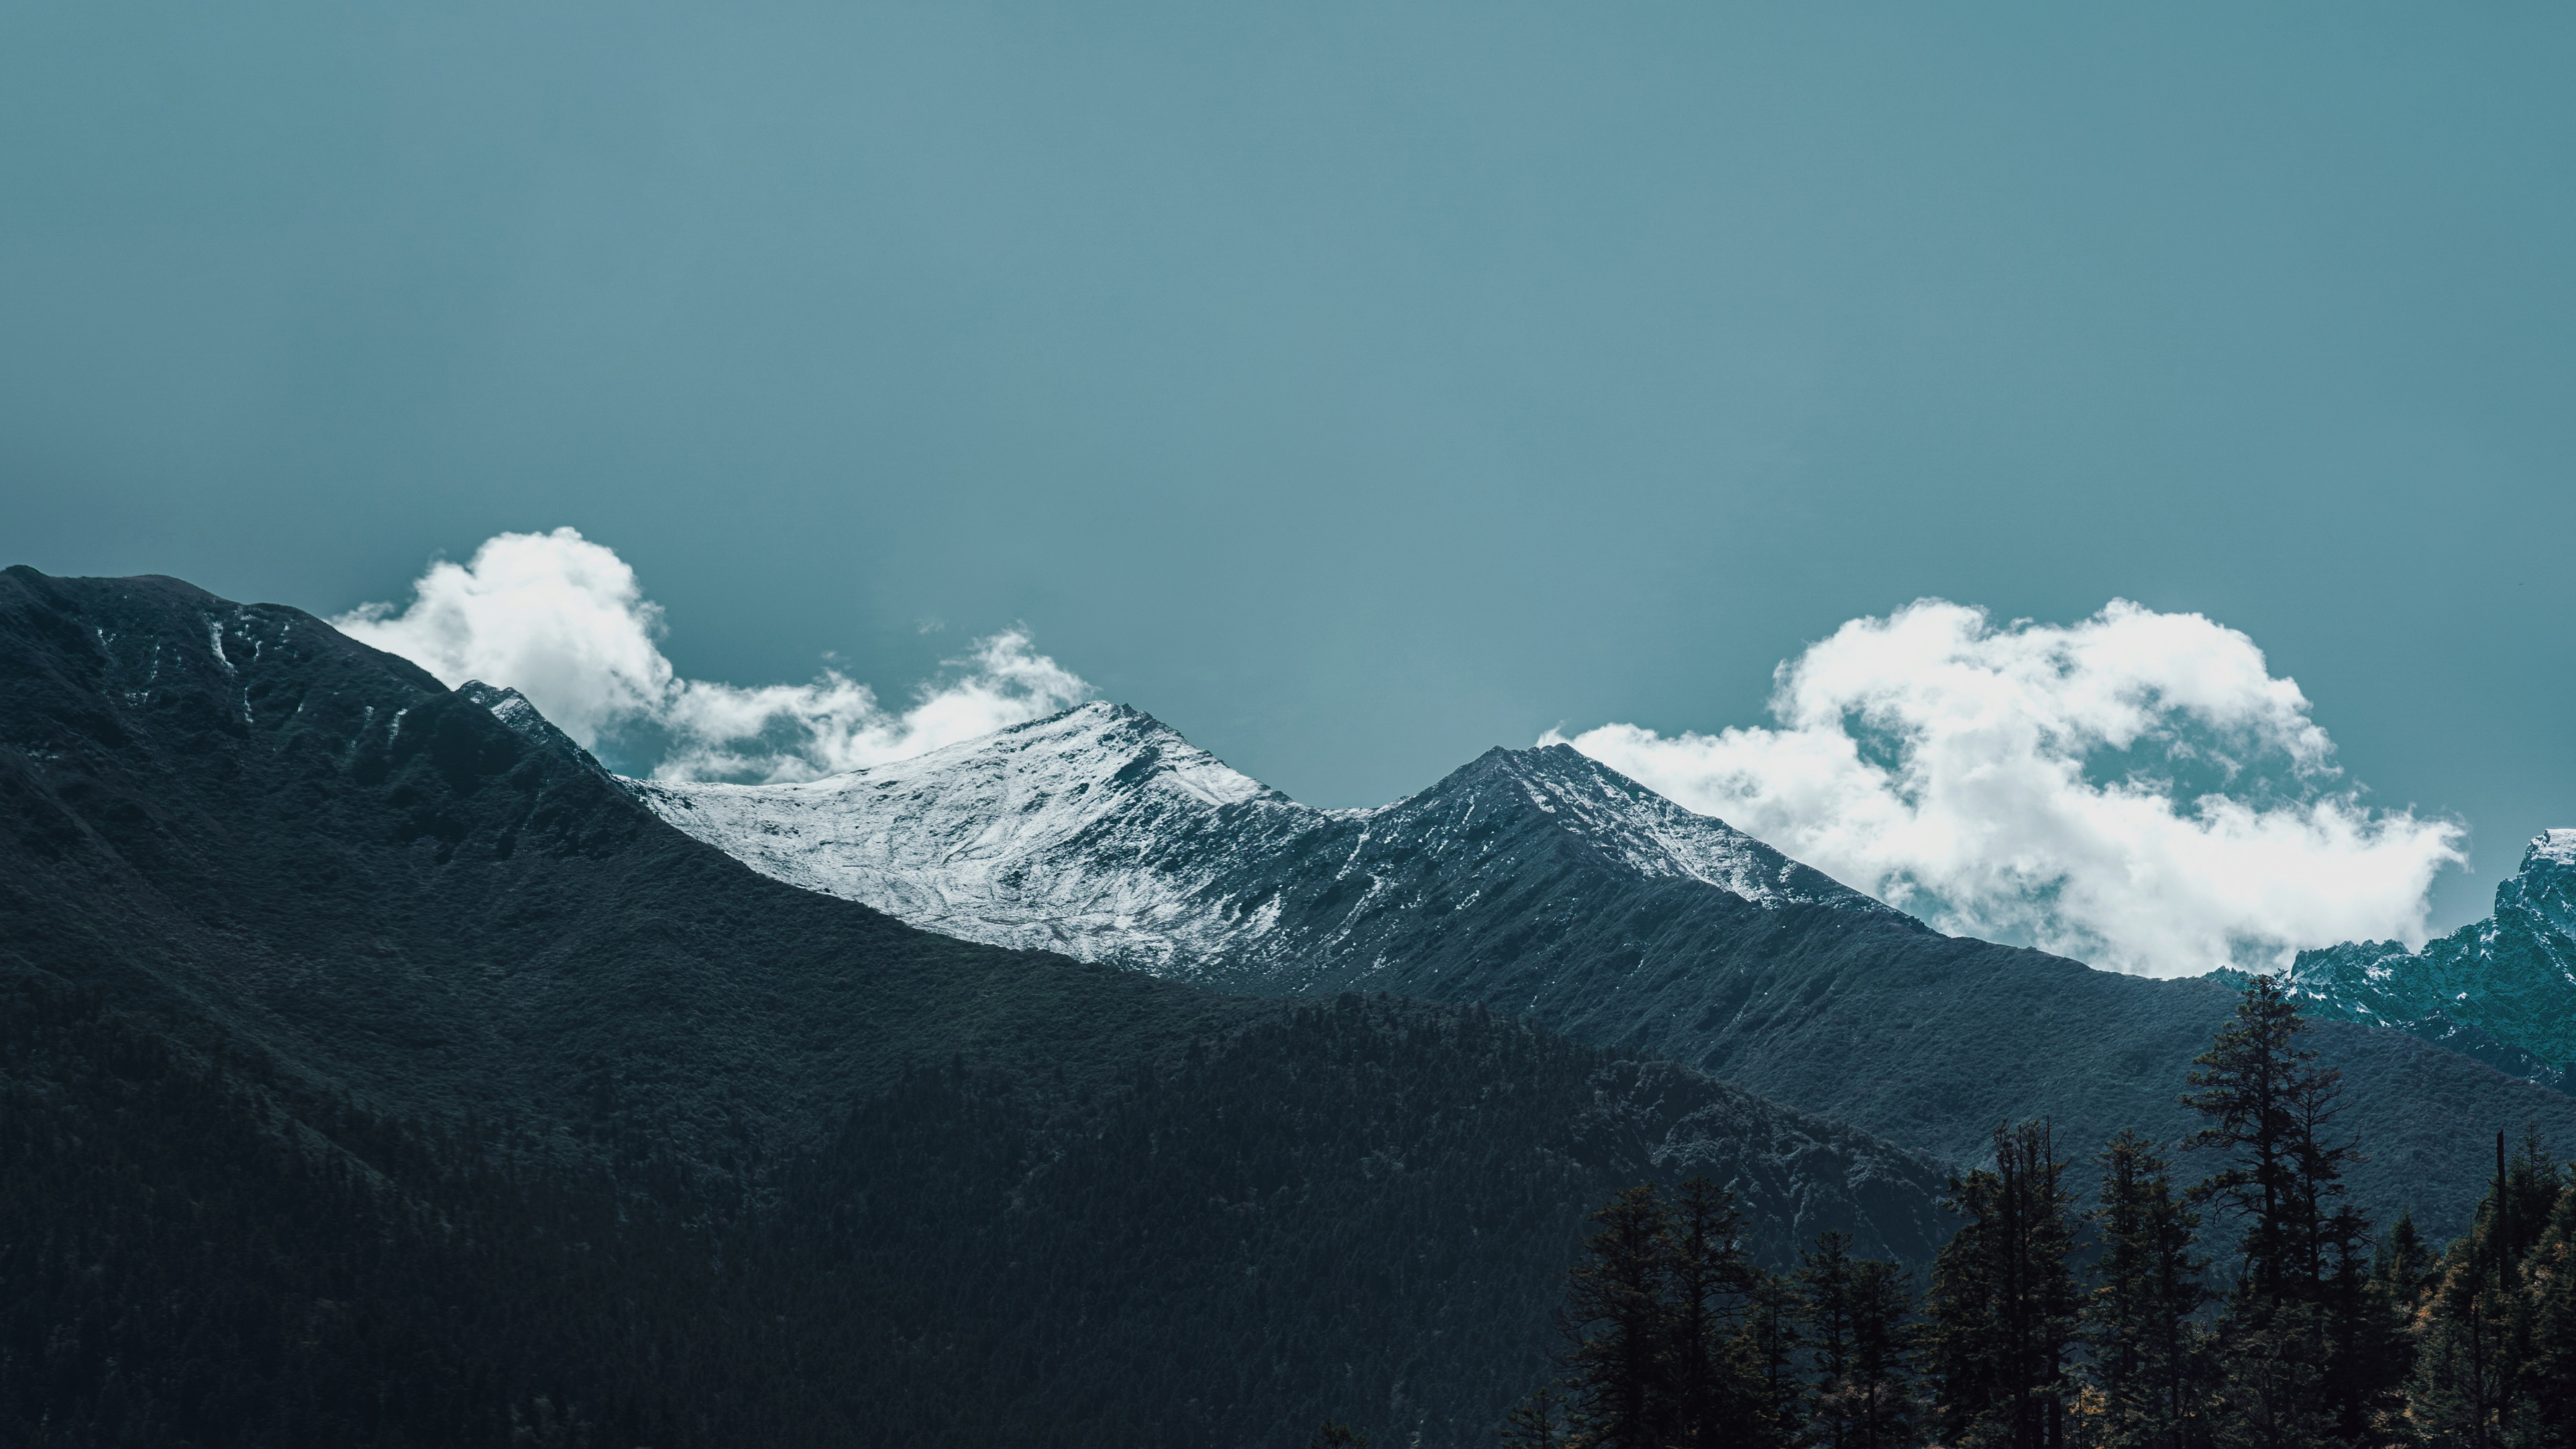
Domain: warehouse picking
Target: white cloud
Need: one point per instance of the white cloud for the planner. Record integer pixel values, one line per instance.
(2020, 782)
(563, 621)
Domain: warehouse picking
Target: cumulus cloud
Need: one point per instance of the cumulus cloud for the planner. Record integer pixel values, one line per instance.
(563, 621)
(2136, 790)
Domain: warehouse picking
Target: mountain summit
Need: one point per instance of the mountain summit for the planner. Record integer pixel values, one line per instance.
(1542, 883)
(1102, 833)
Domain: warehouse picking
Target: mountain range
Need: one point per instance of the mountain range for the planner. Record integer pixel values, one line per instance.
(1543, 884)
(369, 1056)
(377, 1067)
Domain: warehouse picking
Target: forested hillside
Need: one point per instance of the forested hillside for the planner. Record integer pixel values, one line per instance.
(2224, 1291)
(674, 1136)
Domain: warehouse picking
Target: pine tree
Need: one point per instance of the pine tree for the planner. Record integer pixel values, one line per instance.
(2495, 1356)
(1824, 1280)
(1860, 1346)
(2146, 1381)
(1716, 1395)
(2294, 1338)
(1676, 1341)
(1880, 1380)
(2549, 1374)
(2269, 1107)
(1768, 1350)
(1618, 1314)
(2003, 1302)
(2403, 1267)
(1539, 1421)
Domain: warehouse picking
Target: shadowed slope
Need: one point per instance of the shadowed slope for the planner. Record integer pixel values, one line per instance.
(1543, 883)
(228, 821)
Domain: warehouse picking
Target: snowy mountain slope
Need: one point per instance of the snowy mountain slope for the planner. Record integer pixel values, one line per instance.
(1103, 834)
(1541, 883)
(2503, 988)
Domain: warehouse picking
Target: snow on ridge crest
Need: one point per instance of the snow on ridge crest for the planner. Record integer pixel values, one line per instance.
(1054, 835)
(1102, 833)
(2558, 847)
(1650, 834)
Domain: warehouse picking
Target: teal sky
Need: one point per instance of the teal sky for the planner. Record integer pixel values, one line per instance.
(1354, 387)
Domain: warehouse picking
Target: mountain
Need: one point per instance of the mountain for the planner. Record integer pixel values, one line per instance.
(1541, 883)
(374, 1067)
(2503, 990)
(1102, 833)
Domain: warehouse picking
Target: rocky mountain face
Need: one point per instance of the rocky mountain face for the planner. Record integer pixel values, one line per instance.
(1103, 834)
(2503, 990)
(467, 967)
(1542, 884)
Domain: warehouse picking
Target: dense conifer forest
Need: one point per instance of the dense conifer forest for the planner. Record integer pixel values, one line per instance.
(2101, 1302)
(197, 1251)
(1348, 1208)
(193, 1252)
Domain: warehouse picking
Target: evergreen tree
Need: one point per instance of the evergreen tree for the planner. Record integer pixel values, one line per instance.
(2295, 1338)
(2403, 1267)
(1769, 1348)
(2492, 1355)
(1676, 1341)
(2549, 1373)
(1883, 1347)
(1539, 1421)
(2268, 1105)
(2402, 1270)
(1716, 1393)
(1860, 1345)
(2003, 1302)
(1824, 1280)
(2146, 1353)
(1619, 1315)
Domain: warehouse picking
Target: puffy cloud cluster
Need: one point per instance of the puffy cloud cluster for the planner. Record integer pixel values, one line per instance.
(563, 621)
(2025, 781)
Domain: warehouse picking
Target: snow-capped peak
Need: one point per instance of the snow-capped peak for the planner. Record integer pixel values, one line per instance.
(1102, 833)
(1652, 835)
(1066, 833)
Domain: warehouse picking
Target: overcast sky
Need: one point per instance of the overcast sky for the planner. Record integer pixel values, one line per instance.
(1354, 387)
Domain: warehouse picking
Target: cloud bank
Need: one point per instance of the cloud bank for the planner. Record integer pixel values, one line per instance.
(563, 621)
(2135, 790)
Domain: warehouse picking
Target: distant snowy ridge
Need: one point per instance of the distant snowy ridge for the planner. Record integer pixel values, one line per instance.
(2502, 989)
(1105, 835)
(1031, 837)
(1541, 884)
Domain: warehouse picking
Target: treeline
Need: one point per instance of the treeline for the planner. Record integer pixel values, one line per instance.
(2048, 1327)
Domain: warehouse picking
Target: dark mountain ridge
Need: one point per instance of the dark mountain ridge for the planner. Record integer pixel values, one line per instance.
(1540, 882)
(239, 835)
